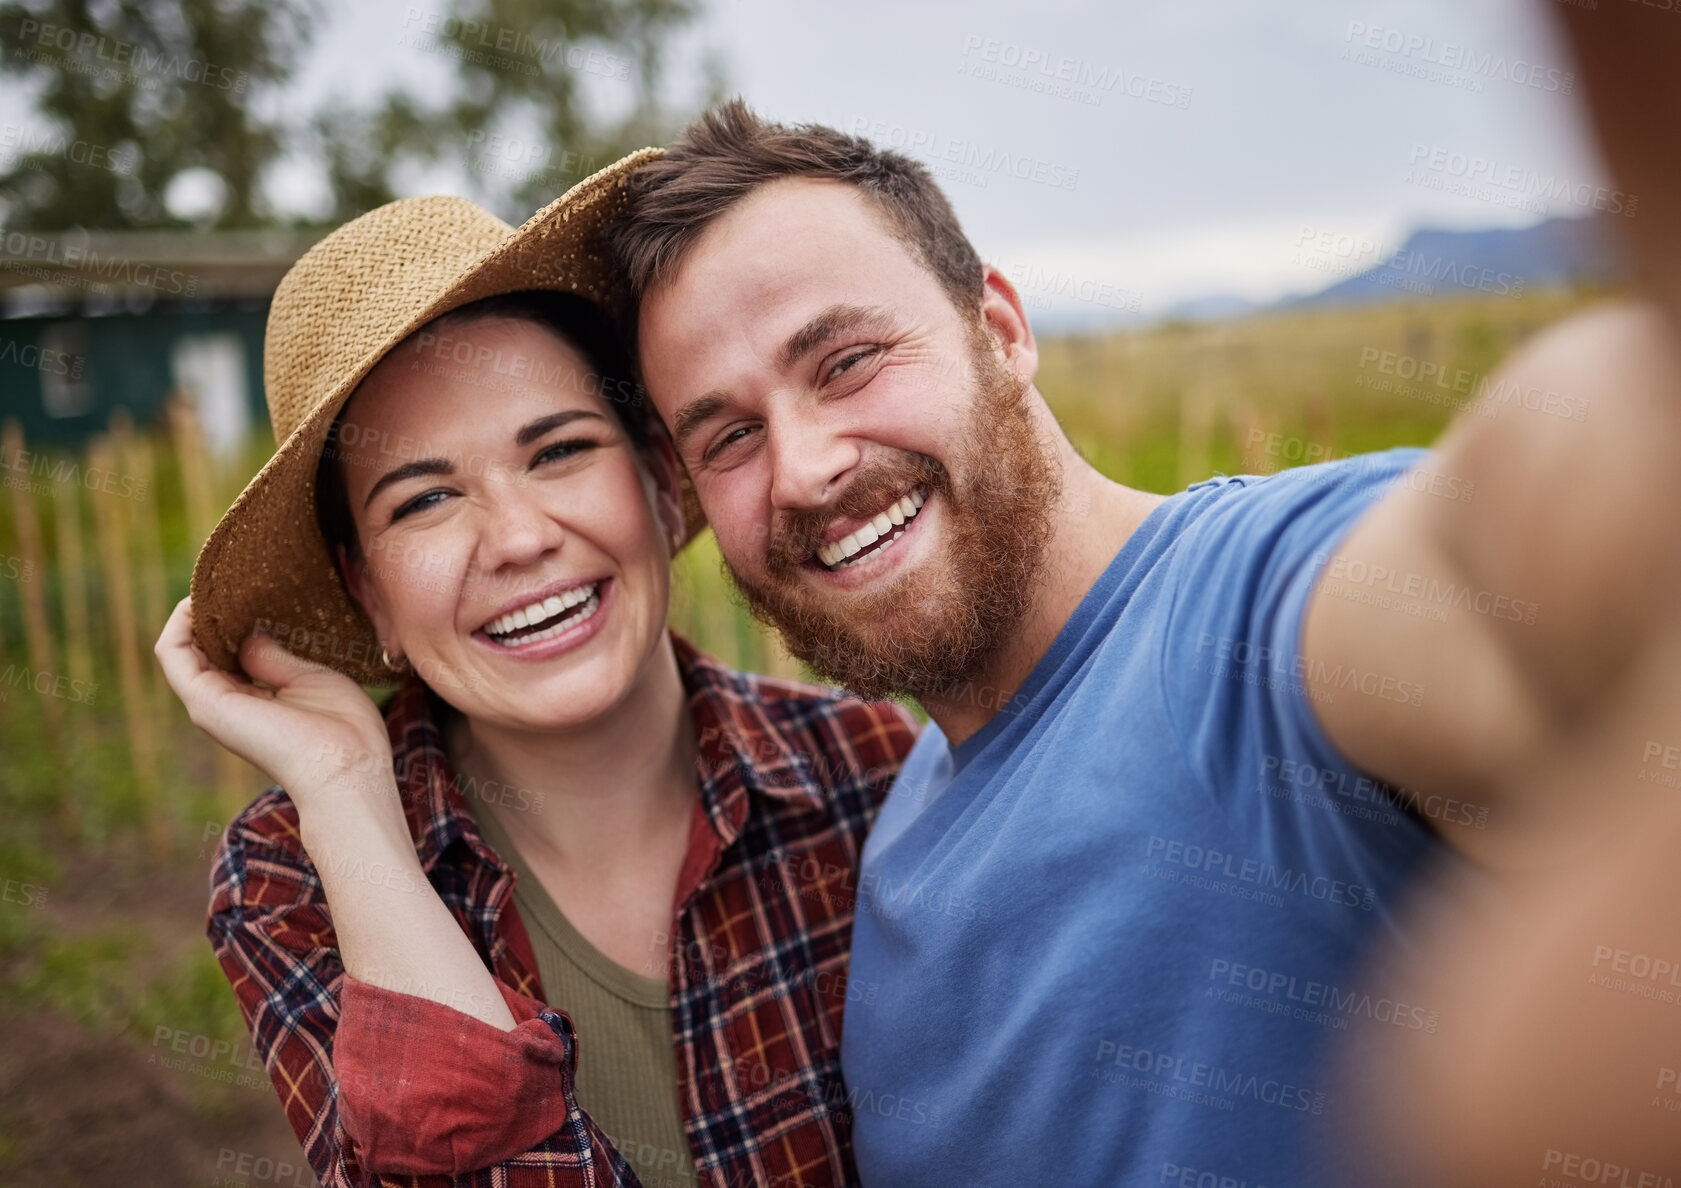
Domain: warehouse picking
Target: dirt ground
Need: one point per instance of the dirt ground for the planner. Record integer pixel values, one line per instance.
(89, 1106)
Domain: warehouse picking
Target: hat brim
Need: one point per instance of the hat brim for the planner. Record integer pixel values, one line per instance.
(265, 566)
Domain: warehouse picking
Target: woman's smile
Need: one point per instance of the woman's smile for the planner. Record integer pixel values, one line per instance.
(565, 617)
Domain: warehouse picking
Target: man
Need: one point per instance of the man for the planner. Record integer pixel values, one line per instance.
(1187, 753)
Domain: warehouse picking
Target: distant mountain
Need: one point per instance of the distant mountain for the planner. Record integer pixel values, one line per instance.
(1557, 252)
(1215, 307)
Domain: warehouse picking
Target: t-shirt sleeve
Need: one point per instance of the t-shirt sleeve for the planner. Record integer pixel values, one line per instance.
(1232, 673)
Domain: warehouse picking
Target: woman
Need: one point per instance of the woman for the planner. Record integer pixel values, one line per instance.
(579, 900)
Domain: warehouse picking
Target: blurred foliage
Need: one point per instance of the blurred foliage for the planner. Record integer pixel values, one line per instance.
(518, 114)
(136, 96)
(138, 93)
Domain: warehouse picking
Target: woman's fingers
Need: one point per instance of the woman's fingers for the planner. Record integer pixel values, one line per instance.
(267, 661)
(184, 664)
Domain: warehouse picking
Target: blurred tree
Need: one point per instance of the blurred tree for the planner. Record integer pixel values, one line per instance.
(140, 95)
(150, 119)
(520, 118)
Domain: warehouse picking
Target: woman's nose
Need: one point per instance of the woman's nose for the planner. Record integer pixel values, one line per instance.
(516, 527)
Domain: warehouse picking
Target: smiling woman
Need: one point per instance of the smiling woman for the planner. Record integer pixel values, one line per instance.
(561, 825)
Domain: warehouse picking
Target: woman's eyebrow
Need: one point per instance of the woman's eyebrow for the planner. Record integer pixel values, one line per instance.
(527, 434)
(542, 425)
(407, 470)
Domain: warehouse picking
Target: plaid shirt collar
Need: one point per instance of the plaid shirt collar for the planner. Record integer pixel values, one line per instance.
(740, 756)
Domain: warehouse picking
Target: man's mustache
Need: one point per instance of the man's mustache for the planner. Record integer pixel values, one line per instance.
(797, 535)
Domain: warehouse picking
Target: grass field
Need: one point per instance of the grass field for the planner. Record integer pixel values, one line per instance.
(103, 869)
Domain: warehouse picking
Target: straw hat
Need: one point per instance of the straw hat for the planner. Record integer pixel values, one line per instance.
(351, 299)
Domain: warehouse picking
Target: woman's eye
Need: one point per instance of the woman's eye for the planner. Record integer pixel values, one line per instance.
(562, 449)
(418, 503)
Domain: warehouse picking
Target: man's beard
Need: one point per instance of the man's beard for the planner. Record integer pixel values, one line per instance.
(937, 627)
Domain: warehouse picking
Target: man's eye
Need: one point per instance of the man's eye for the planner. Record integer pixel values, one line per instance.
(729, 439)
(850, 360)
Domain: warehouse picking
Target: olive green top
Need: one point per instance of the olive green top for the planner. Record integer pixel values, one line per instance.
(627, 1064)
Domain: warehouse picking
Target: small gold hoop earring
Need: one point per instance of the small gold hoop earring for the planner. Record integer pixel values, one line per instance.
(385, 659)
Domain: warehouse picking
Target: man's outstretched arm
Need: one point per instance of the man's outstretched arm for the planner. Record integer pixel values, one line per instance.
(1565, 562)
(1518, 609)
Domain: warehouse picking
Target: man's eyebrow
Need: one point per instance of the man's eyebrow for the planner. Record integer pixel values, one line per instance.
(837, 319)
(527, 434)
(695, 414)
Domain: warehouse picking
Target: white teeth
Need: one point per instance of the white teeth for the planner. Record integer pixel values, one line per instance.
(590, 604)
(526, 616)
(835, 553)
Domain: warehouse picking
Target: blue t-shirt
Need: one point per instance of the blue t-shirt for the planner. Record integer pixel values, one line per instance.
(1113, 937)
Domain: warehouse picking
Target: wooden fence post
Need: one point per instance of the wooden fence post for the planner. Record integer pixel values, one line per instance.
(109, 519)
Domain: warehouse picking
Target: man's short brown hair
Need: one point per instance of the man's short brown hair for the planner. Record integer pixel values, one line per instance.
(729, 151)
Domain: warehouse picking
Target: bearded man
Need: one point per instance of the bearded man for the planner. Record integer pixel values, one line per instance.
(1188, 753)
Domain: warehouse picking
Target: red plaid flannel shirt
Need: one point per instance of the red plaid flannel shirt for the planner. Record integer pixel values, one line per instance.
(378, 1083)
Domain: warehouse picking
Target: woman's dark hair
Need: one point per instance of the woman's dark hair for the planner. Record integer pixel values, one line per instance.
(579, 323)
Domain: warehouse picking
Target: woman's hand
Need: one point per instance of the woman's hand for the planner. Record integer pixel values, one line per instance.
(314, 731)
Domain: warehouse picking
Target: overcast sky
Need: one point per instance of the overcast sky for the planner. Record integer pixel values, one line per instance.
(1152, 152)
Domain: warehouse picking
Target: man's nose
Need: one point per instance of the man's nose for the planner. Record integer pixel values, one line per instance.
(808, 460)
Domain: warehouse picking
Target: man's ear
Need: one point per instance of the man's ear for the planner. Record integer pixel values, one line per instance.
(1005, 320)
(364, 593)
